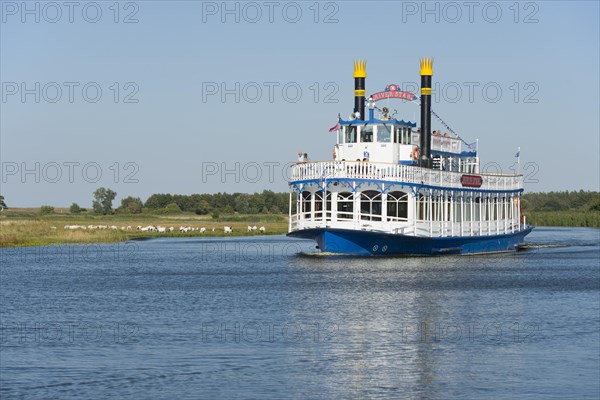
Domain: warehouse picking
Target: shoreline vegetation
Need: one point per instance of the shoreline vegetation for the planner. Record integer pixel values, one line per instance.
(46, 225)
(28, 227)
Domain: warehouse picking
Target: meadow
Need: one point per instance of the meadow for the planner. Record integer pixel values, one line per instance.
(29, 227)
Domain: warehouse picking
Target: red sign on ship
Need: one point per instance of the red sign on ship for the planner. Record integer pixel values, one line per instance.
(392, 92)
(471, 180)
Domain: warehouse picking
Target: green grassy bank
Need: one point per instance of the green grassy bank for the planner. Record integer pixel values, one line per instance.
(28, 227)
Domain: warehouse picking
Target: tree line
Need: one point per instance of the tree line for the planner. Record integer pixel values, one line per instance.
(562, 201)
(266, 202)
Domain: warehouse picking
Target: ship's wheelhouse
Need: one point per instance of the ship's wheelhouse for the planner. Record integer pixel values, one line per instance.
(382, 141)
(397, 142)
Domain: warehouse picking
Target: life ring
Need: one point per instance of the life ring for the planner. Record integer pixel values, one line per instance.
(415, 153)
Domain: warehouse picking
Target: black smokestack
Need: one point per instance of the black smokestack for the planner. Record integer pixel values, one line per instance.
(360, 74)
(425, 137)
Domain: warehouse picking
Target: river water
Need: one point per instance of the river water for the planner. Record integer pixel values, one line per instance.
(267, 317)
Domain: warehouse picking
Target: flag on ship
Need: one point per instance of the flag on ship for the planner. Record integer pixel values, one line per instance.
(335, 128)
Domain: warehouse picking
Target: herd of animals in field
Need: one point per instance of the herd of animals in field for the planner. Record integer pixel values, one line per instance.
(161, 229)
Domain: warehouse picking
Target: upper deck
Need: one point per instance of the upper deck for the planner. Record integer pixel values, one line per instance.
(396, 141)
(408, 174)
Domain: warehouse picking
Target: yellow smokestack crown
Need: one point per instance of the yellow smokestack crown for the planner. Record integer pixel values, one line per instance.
(360, 69)
(427, 66)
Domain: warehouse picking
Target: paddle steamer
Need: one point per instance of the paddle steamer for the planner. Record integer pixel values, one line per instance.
(395, 189)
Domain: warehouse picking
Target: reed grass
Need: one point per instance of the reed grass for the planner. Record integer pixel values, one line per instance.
(564, 218)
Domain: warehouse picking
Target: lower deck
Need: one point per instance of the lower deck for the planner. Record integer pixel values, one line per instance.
(403, 210)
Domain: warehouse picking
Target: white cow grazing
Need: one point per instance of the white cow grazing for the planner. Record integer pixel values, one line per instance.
(128, 227)
(254, 228)
(113, 227)
(262, 229)
(171, 229)
(249, 228)
(227, 229)
(72, 227)
(202, 230)
(183, 229)
(161, 229)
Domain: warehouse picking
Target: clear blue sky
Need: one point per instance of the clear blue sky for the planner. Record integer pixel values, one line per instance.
(176, 50)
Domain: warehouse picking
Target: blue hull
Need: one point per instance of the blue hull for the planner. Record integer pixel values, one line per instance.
(364, 243)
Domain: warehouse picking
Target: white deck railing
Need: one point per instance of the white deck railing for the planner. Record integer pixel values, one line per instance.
(399, 173)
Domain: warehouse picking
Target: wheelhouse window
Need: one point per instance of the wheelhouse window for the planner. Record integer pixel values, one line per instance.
(350, 133)
(384, 133)
(366, 134)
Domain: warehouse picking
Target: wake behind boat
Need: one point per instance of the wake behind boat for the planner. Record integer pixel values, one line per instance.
(393, 189)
